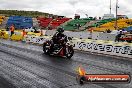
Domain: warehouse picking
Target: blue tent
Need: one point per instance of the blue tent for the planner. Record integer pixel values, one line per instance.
(20, 22)
(128, 29)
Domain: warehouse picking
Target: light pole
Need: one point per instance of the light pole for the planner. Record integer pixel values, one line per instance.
(86, 15)
(116, 15)
(110, 6)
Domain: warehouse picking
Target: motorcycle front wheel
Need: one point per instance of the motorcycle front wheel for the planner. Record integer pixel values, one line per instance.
(69, 52)
(45, 49)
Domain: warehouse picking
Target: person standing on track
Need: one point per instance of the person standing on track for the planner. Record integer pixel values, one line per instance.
(12, 28)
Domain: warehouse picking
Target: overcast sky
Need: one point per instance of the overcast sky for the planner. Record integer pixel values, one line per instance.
(69, 7)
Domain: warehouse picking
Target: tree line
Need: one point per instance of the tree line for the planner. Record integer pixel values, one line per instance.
(25, 13)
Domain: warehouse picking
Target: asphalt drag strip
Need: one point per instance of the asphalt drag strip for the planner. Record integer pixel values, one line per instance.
(25, 66)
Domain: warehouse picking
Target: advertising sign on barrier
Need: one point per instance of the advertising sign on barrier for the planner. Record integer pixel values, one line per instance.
(124, 51)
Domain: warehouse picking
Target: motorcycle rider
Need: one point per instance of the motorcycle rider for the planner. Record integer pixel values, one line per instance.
(57, 37)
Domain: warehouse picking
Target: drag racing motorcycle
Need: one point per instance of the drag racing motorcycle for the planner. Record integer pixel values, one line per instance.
(64, 49)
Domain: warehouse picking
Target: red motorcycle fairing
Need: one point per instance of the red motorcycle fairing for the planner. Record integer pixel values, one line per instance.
(62, 52)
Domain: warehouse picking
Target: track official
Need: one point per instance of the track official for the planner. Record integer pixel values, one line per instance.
(12, 28)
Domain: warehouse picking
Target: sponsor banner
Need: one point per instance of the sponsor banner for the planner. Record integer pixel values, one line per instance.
(124, 50)
(35, 39)
(104, 78)
(83, 77)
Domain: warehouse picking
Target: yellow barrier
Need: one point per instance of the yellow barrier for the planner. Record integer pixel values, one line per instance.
(32, 33)
(20, 30)
(17, 37)
(4, 34)
(1, 20)
(2, 29)
(2, 17)
(100, 41)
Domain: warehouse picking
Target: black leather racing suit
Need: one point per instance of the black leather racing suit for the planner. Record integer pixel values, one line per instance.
(57, 40)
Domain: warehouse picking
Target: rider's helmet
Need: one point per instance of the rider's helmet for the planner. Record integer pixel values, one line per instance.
(60, 30)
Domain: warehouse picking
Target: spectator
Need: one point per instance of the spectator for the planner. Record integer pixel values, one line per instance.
(24, 32)
(49, 28)
(90, 30)
(131, 32)
(41, 32)
(108, 31)
(118, 35)
(124, 31)
(78, 26)
(35, 30)
(7, 28)
(95, 18)
(99, 18)
(12, 28)
(105, 31)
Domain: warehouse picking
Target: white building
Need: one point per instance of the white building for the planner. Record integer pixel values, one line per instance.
(108, 16)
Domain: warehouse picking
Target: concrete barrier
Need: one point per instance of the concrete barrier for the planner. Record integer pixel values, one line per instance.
(99, 46)
(103, 36)
(50, 32)
(86, 35)
(36, 39)
(80, 35)
(105, 48)
(83, 35)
